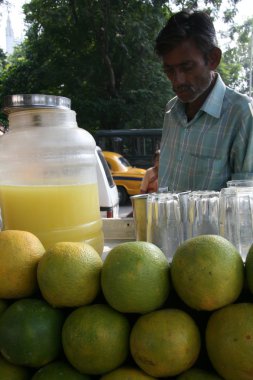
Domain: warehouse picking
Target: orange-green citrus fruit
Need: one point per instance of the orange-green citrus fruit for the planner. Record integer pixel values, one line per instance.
(10, 371)
(198, 374)
(20, 252)
(127, 373)
(207, 272)
(30, 333)
(249, 269)
(59, 370)
(135, 277)
(229, 341)
(165, 342)
(69, 274)
(96, 339)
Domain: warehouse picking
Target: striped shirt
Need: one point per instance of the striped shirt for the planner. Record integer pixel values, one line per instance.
(212, 148)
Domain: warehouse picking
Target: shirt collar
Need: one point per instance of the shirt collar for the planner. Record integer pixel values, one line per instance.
(214, 101)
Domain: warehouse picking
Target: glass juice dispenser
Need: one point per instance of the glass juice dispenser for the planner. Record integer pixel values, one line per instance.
(48, 182)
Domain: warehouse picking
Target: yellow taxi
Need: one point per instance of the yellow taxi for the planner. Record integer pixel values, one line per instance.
(127, 178)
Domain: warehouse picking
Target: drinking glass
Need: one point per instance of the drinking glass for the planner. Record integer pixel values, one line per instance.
(228, 216)
(183, 201)
(139, 204)
(203, 213)
(164, 222)
(240, 183)
(236, 217)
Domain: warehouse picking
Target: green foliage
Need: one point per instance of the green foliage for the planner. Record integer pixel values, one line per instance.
(99, 53)
(106, 65)
(230, 69)
(236, 59)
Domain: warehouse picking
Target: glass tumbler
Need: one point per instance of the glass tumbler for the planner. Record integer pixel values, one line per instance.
(203, 213)
(164, 222)
(236, 217)
(139, 204)
(240, 183)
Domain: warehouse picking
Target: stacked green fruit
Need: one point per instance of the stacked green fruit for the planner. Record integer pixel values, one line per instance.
(133, 316)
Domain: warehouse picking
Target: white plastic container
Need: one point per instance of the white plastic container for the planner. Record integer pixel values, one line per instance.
(48, 182)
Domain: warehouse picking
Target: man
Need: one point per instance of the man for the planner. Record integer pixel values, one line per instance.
(208, 128)
(149, 182)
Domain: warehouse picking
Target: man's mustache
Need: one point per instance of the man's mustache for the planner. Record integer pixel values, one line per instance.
(182, 88)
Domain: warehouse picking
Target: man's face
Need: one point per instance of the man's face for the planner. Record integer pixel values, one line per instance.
(188, 71)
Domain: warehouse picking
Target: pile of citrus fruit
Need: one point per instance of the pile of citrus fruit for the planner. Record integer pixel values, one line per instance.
(65, 314)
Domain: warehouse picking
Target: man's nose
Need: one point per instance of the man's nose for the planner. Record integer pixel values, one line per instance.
(178, 78)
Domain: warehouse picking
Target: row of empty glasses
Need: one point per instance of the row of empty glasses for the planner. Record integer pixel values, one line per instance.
(167, 219)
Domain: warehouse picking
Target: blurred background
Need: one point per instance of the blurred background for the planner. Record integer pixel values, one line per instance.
(100, 54)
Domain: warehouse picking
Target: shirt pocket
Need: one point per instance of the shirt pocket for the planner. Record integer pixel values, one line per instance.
(206, 165)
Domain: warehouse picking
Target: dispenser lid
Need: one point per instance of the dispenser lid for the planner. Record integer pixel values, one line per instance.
(14, 103)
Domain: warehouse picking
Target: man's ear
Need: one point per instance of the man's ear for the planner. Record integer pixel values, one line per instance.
(214, 58)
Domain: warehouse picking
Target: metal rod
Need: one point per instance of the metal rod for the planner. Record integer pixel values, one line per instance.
(250, 65)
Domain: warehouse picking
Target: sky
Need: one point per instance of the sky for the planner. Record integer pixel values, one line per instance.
(16, 16)
(245, 10)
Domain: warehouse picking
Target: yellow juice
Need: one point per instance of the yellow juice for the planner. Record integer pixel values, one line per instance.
(54, 213)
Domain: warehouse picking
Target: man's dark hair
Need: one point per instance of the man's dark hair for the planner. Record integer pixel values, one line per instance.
(184, 25)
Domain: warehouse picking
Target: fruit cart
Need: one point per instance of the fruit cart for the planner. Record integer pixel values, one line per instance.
(117, 231)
